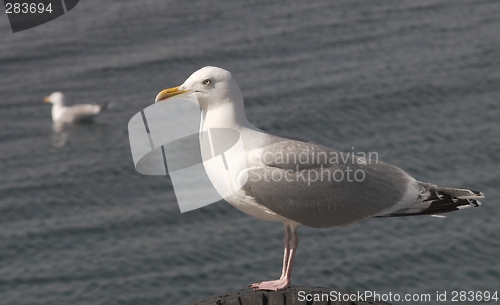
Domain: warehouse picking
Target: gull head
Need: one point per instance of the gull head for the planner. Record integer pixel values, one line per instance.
(213, 87)
(56, 98)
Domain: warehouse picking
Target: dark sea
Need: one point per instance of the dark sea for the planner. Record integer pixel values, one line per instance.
(417, 82)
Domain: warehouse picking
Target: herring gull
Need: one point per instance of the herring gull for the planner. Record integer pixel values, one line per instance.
(275, 184)
(72, 114)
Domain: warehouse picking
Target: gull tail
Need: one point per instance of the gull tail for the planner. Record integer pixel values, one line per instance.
(103, 107)
(434, 200)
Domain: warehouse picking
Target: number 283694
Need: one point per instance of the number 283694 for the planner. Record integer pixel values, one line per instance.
(27, 8)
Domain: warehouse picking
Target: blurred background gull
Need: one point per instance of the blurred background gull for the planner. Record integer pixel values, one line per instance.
(416, 82)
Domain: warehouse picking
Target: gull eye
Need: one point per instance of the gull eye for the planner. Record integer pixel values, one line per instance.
(206, 82)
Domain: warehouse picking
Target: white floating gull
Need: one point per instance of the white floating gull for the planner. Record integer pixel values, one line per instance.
(302, 183)
(72, 114)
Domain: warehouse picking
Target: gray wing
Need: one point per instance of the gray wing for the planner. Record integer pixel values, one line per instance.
(320, 187)
(82, 112)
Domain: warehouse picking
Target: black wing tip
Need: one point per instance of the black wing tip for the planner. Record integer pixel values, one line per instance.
(103, 106)
(442, 201)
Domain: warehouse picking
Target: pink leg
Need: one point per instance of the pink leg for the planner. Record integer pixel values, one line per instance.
(291, 242)
(286, 241)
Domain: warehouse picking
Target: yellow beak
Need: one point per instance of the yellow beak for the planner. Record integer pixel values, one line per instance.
(46, 99)
(168, 93)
